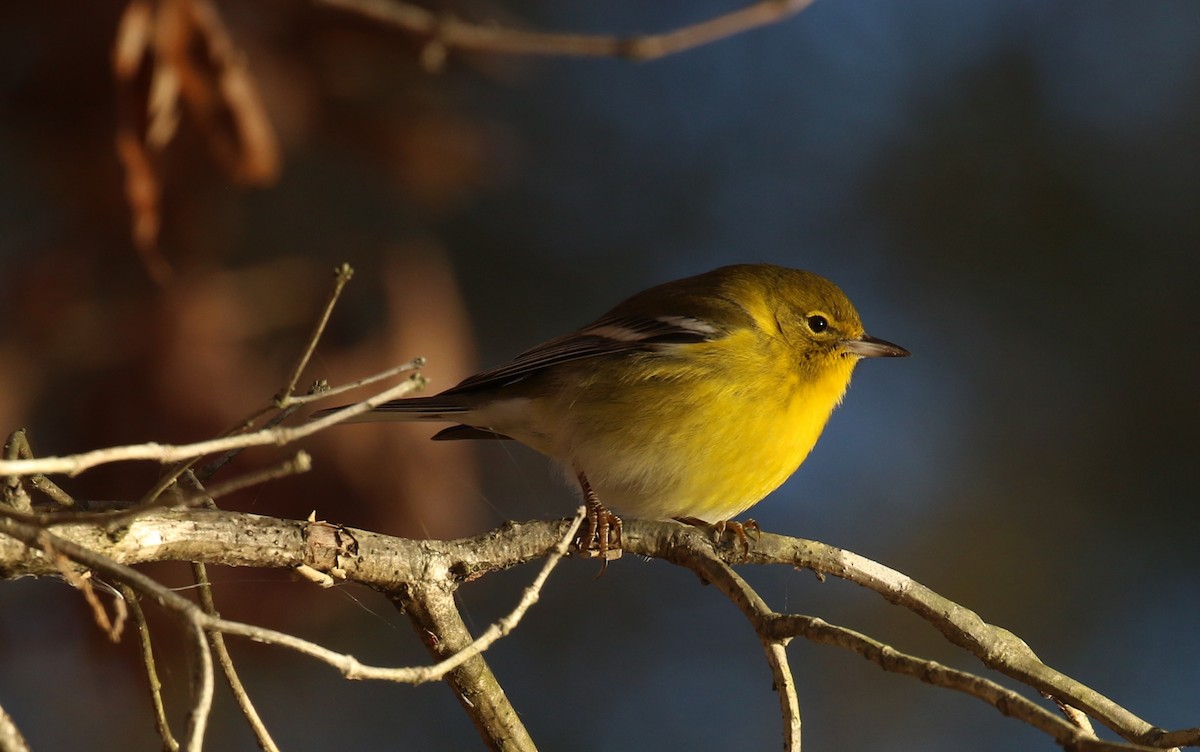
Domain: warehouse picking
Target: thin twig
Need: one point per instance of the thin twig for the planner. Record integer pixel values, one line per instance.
(348, 665)
(283, 401)
(785, 685)
(341, 275)
(202, 687)
(995, 646)
(217, 640)
(384, 562)
(704, 560)
(165, 481)
(411, 365)
(211, 469)
(445, 31)
(82, 581)
(315, 391)
(51, 490)
(15, 496)
(17, 447)
(143, 628)
(225, 660)
(164, 453)
(1007, 701)
(301, 462)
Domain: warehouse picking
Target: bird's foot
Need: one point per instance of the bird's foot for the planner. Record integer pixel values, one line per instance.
(741, 530)
(600, 536)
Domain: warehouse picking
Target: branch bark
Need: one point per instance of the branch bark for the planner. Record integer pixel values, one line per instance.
(421, 576)
(435, 617)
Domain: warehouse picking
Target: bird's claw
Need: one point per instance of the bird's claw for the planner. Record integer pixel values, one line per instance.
(742, 531)
(600, 536)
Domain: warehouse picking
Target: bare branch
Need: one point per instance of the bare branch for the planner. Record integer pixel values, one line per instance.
(444, 31)
(776, 629)
(422, 560)
(997, 647)
(82, 581)
(342, 275)
(785, 685)
(51, 490)
(202, 687)
(413, 364)
(160, 714)
(217, 642)
(301, 462)
(15, 496)
(529, 596)
(164, 453)
(431, 610)
(1008, 702)
(17, 447)
(391, 564)
(11, 739)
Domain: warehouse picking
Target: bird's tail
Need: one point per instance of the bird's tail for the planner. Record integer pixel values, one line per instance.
(434, 408)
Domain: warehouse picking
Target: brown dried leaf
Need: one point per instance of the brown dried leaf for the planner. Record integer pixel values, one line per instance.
(146, 104)
(218, 90)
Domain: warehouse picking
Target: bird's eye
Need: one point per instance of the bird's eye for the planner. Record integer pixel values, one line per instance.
(818, 323)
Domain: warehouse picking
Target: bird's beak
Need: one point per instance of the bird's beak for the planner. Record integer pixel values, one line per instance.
(873, 347)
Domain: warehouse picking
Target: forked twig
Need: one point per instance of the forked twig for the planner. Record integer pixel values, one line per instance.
(385, 563)
(282, 401)
(17, 447)
(341, 275)
(349, 666)
(163, 453)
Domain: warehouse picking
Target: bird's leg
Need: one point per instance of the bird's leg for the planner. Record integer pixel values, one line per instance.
(719, 528)
(601, 533)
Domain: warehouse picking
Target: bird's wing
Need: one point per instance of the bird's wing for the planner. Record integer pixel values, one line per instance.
(607, 336)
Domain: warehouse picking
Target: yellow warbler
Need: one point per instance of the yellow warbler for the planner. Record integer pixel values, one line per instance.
(691, 400)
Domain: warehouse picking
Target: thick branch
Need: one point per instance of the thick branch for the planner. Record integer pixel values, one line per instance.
(434, 616)
(391, 563)
(248, 540)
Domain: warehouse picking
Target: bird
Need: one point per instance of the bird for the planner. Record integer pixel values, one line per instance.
(691, 400)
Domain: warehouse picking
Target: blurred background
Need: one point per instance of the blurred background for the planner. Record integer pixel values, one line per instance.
(1009, 188)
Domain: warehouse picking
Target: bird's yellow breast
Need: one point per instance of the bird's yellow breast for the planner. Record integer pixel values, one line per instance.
(719, 444)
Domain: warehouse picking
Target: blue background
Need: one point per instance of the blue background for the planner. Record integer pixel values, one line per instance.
(1009, 189)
